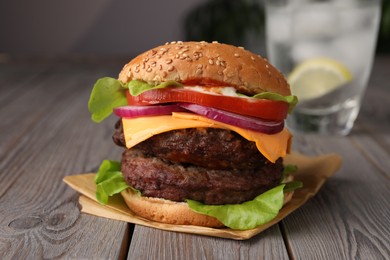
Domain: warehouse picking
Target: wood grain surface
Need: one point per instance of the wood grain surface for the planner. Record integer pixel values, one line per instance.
(46, 134)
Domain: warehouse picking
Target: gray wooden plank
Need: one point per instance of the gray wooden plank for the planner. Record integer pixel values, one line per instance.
(371, 134)
(40, 215)
(38, 105)
(348, 219)
(149, 243)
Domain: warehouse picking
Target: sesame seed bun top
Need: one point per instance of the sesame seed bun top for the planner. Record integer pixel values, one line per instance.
(203, 63)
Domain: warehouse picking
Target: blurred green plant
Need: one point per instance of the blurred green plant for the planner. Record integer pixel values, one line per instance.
(227, 21)
(384, 30)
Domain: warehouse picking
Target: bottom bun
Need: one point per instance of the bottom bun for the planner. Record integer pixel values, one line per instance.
(166, 211)
(171, 212)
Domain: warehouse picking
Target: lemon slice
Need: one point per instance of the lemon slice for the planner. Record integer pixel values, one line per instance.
(316, 77)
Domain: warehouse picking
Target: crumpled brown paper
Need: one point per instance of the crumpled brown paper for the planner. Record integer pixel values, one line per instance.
(312, 171)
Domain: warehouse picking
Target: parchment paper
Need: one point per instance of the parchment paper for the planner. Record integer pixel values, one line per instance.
(312, 171)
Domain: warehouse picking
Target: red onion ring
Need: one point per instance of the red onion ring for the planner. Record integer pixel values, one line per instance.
(251, 123)
(138, 111)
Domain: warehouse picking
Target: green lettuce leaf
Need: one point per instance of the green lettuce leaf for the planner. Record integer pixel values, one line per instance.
(291, 100)
(106, 94)
(292, 185)
(109, 181)
(247, 215)
(137, 87)
(289, 169)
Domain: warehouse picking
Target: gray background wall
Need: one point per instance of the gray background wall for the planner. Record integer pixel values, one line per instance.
(104, 27)
(53, 27)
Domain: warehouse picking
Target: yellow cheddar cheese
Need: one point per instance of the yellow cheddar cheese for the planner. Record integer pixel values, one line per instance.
(139, 129)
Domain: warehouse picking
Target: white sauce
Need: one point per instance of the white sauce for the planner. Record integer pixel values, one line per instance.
(224, 91)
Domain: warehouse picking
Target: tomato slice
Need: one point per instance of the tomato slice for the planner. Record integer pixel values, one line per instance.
(261, 108)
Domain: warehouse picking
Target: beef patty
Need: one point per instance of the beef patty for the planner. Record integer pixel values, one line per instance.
(156, 177)
(211, 148)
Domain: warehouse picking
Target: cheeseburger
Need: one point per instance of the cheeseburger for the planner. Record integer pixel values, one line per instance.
(202, 127)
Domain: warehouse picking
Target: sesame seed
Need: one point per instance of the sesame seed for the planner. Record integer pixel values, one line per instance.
(164, 74)
(199, 66)
(173, 42)
(236, 55)
(179, 42)
(215, 42)
(230, 75)
(240, 47)
(170, 68)
(149, 69)
(253, 58)
(168, 61)
(218, 62)
(211, 62)
(153, 64)
(197, 54)
(199, 71)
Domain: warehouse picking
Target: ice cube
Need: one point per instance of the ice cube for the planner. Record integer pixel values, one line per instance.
(313, 21)
(278, 25)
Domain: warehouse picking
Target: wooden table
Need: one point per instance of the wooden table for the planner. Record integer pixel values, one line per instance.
(46, 134)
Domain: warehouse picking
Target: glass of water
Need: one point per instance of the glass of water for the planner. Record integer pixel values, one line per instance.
(326, 50)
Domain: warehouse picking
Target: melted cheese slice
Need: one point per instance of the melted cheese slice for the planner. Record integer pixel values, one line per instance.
(137, 130)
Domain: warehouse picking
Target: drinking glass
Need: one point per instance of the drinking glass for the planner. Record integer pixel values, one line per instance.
(335, 37)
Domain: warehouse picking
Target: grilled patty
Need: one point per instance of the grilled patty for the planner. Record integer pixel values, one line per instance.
(210, 165)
